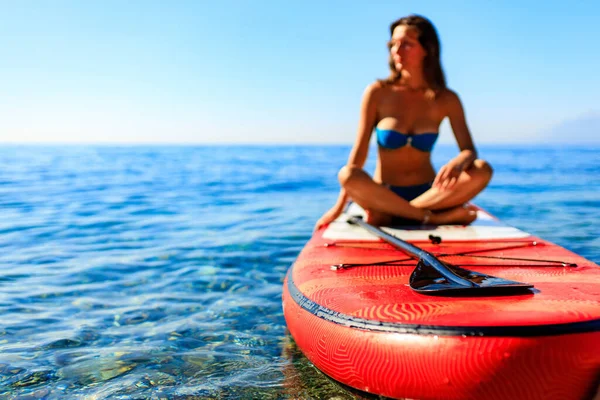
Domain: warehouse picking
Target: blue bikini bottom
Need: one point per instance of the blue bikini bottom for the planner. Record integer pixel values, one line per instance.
(409, 193)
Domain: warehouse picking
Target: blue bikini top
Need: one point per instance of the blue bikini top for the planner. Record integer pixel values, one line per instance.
(391, 139)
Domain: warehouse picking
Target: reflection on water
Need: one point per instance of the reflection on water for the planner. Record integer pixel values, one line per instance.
(146, 272)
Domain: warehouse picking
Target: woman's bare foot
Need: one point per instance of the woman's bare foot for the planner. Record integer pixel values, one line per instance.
(460, 215)
(377, 218)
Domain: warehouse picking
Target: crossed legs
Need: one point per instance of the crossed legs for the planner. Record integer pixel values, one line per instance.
(382, 204)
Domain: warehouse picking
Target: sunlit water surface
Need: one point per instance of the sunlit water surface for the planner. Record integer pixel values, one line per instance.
(156, 272)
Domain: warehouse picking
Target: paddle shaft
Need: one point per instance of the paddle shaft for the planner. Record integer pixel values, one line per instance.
(413, 251)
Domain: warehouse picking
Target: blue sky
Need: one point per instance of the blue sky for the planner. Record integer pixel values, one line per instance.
(267, 71)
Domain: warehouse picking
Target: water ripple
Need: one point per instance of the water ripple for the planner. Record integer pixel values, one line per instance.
(146, 272)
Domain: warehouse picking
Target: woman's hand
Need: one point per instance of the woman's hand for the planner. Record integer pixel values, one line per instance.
(448, 175)
(464, 214)
(328, 217)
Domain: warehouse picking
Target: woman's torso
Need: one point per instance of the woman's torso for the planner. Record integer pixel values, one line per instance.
(407, 112)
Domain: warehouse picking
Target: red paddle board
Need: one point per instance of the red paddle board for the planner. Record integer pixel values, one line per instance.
(364, 326)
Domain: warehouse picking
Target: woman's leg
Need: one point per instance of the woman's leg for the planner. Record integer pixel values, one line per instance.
(379, 202)
(470, 183)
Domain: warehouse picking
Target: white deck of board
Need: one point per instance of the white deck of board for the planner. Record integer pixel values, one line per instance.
(485, 227)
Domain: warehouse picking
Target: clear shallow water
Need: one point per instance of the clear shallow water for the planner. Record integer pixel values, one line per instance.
(156, 272)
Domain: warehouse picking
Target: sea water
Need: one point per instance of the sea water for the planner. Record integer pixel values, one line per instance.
(156, 272)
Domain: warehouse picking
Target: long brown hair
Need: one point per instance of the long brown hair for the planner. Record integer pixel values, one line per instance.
(428, 38)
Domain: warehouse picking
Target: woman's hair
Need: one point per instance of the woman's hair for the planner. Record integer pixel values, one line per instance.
(429, 40)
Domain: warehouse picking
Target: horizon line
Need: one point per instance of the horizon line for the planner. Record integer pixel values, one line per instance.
(270, 144)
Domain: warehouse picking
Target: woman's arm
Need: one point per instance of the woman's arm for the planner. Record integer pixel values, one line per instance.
(449, 173)
(360, 149)
(366, 123)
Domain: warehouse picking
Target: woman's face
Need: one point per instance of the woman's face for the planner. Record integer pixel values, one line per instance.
(405, 49)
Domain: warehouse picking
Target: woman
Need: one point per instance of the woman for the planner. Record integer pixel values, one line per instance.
(406, 111)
